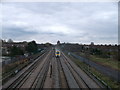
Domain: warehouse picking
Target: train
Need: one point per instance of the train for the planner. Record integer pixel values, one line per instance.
(57, 53)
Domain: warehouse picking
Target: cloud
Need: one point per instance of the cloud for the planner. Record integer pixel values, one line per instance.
(68, 22)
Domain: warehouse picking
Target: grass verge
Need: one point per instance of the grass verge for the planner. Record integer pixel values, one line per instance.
(103, 61)
(111, 83)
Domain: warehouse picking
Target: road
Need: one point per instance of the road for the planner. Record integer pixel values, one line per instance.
(47, 71)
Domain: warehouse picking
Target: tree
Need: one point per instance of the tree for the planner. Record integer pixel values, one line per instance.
(32, 47)
(16, 51)
(48, 44)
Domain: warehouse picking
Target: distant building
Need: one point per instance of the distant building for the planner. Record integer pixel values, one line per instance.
(58, 42)
(7, 46)
(92, 43)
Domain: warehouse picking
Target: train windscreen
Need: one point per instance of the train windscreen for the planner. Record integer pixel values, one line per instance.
(57, 52)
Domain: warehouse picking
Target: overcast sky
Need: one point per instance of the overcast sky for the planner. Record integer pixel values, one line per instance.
(80, 22)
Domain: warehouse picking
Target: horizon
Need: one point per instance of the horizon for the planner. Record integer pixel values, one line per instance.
(63, 42)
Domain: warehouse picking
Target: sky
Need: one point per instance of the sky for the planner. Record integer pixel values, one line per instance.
(75, 22)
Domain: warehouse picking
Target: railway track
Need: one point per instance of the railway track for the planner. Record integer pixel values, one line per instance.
(40, 79)
(23, 80)
(62, 79)
(81, 78)
(52, 72)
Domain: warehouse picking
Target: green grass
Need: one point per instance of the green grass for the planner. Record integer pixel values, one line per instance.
(106, 62)
(103, 61)
(106, 79)
(110, 82)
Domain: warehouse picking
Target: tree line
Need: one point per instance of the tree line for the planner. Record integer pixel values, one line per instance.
(31, 48)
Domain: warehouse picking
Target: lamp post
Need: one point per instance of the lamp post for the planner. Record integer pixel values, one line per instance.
(87, 57)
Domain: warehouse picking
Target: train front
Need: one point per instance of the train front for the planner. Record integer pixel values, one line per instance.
(57, 53)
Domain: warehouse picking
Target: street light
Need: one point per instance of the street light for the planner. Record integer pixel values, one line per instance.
(87, 57)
